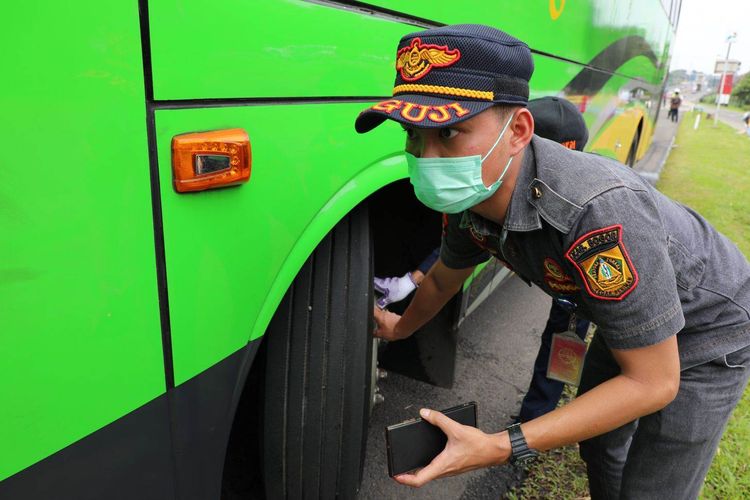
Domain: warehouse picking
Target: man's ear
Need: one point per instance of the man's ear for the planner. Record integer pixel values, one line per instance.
(522, 129)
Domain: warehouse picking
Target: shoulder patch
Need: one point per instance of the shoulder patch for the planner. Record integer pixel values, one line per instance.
(604, 264)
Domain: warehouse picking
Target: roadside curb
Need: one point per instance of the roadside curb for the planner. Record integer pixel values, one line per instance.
(653, 177)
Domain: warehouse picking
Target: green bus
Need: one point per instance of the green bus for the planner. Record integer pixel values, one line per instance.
(165, 336)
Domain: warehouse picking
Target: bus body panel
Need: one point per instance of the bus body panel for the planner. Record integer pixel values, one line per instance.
(207, 49)
(79, 330)
(270, 49)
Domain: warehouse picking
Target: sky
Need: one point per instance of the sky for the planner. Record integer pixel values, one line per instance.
(702, 32)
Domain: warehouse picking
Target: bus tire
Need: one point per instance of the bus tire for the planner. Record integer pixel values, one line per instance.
(317, 379)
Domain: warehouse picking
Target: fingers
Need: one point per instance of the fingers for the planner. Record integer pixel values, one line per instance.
(386, 322)
(434, 470)
(380, 284)
(446, 424)
(383, 301)
(378, 315)
(452, 460)
(380, 322)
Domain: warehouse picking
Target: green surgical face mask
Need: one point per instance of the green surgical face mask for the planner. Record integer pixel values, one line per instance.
(452, 185)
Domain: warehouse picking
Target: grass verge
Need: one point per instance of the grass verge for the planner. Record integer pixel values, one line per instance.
(558, 474)
(708, 170)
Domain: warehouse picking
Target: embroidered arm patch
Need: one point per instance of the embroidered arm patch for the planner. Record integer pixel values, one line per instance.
(604, 264)
(556, 279)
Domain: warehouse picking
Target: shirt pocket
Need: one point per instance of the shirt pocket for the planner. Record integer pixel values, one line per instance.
(688, 269)
(738, 359)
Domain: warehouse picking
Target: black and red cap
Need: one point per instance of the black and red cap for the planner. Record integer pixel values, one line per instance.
(559, 120)
(450, 74)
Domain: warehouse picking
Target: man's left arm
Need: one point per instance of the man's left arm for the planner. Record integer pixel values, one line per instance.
(621, 261)
(649, 380)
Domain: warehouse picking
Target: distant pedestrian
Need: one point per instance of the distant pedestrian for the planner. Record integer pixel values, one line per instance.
(674, 105)
(746, 121)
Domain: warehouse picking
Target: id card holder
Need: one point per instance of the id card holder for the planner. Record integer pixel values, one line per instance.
(566, 356)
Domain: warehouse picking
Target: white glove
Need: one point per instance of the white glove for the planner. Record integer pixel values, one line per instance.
(394, 289)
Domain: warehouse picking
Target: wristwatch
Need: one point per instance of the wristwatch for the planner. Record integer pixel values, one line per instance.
(520, 452)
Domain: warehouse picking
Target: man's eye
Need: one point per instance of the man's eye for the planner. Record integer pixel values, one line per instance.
(448, 133)
(410, 133)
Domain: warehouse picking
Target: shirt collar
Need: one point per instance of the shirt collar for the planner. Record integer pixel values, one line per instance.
(521, 214)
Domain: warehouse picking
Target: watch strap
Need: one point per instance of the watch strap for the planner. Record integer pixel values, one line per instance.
(520, 451)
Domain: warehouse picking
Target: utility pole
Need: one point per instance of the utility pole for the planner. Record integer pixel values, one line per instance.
(731, 38)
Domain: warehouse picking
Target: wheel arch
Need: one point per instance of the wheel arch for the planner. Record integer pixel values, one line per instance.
(370, 179)
(645, 133)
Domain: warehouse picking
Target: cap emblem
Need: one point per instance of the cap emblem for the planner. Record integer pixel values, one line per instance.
(417, 59)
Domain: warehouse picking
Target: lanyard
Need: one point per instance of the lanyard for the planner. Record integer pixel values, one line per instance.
(570, 307)
(501, 243)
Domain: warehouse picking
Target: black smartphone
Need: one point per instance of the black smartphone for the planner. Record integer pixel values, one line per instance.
(414, 443)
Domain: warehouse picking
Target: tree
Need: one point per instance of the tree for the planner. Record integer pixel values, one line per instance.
(676, 77)
(741, 92)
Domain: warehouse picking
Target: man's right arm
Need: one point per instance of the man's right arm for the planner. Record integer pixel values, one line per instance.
(440, 284)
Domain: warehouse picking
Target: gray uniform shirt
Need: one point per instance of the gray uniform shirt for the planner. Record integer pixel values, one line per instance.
(639, 265)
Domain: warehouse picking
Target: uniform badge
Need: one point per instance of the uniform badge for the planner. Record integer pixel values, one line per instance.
(604, 264)
(417, 59)
(556, 279)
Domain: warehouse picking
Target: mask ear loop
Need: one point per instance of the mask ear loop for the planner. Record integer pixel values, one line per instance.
(502, 133)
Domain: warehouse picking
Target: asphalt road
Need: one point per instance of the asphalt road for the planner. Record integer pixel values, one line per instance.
(496, 351)
(728, 116)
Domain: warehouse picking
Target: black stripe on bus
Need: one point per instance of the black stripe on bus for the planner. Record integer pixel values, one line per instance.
(591, 80)
(578, 86)
(380, 12)
(160, 254)
(259, 101)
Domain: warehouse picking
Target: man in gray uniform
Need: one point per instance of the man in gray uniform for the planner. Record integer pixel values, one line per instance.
(669, 294)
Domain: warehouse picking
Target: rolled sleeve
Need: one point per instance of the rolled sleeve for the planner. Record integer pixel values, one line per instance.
(457, 249)
(628, 285)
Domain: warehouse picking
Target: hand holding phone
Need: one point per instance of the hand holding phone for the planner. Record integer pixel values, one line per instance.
(414, 443)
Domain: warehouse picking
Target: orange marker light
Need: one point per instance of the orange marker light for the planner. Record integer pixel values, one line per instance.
(207, 160)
